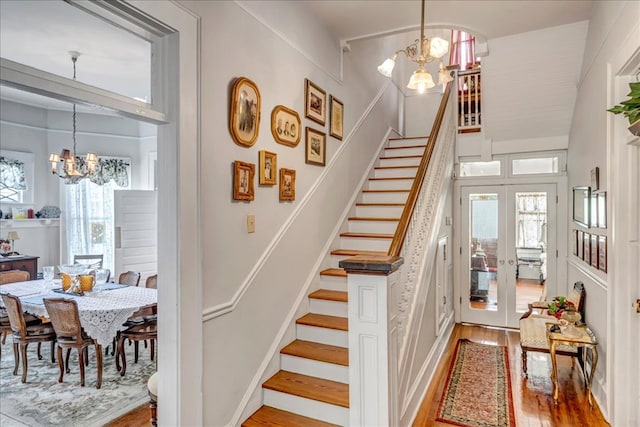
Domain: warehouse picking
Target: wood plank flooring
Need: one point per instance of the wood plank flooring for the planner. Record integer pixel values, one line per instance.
(532, 396)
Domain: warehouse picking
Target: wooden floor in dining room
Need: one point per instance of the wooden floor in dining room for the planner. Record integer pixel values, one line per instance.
(533, 401)
(532, 396)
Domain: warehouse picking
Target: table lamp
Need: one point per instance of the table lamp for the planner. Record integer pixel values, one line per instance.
(13, 235)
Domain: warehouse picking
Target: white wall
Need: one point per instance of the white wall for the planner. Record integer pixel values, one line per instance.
(420, 112)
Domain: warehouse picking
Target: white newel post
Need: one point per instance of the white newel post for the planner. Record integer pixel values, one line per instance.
(373, 340)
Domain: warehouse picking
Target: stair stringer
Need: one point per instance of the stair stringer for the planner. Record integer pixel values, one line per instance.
(252, 398)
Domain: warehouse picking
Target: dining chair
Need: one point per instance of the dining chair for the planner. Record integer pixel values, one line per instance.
(13, 276)
(95, 261)
(6, 277)
(66, 322)
(152, 282)
(142, 326)
(130, 278)
(24, 334)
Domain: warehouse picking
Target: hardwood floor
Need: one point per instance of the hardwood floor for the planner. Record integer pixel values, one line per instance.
(532, 396)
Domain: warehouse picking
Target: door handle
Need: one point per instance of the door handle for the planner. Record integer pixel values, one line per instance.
(501, 262)
(510, 262)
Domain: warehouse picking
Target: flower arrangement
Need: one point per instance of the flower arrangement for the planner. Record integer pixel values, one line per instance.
(559, 305)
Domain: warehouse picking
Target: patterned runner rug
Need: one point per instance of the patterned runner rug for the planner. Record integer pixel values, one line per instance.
(478, 389)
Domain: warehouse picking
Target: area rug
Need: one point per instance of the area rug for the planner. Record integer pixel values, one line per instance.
(42, 401)
(478, 389)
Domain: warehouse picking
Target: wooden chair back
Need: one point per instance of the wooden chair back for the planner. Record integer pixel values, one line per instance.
(152, 282)
(14, 311)
(65, 319)
(95, 261)
(12, 276)
(130, 278)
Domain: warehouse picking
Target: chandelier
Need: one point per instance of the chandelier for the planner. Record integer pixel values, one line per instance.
(421, 51)
(66, 165)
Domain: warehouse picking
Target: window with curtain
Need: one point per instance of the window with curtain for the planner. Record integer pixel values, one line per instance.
(463, 46)
(531, 220)
(89, 212)
(16, 175)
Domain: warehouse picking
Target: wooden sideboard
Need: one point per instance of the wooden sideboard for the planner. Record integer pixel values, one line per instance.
(24, 263)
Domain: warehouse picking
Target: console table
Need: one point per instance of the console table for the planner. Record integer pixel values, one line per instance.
(24, 263)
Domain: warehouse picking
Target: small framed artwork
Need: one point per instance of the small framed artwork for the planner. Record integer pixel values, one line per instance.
(602, 209)
(586, 256)
(315, 102)
(245, 112)
(268, 167)
(243, 174)
(581, 205)
(595, 179)
(285, 126)
(575, 242)
(580, 244)
(337, 116)
(287, 184)
(316, 147)
(19, 213)
(593, 216)
(602, 253)
(594, 250)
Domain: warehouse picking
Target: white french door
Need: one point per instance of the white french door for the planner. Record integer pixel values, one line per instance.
(508, 252)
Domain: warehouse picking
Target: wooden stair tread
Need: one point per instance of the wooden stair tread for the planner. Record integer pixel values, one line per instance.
(417, 156)
(367, 235)
(331, 392)
(329, 295)
(379, 204)
(385, 191)
(316, 351)
(405, 146)
(273, 417)
(324, 321)
(365, 218)
(336, 272)
(356, 252)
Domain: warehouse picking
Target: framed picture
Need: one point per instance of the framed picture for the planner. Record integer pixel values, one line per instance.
(594, 250)
(586, 242)
(575, 242)
(315, 102)
(602, 253)
(580, 244)
(287, 184)
(268, 167)
(595, 179)
(245, 112)
(337, 115)
(243, 174)
(602, 209)
(19, 213)
(285, 126)
(316, 146)
(593, 215)
(581, 205)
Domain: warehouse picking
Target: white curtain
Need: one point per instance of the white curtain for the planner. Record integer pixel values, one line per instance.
(531, 219)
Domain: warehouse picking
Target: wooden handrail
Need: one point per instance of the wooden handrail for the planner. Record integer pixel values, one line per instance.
(407, 213)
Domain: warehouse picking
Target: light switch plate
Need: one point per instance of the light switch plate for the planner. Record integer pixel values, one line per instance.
(251, 223)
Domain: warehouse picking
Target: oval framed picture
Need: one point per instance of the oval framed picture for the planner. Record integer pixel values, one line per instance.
(245, 112)
(285, 126)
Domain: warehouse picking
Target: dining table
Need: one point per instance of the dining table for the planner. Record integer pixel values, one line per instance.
(102, 311)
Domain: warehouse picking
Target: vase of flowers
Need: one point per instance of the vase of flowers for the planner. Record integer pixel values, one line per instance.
(559, 305)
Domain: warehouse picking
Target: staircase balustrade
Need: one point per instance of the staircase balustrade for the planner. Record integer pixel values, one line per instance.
(469, 101)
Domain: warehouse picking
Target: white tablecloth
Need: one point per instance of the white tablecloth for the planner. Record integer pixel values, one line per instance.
(101, 313)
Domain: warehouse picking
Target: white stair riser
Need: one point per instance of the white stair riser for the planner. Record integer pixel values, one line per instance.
(363, 243)
(402, 161)
(407, 142)
(379, 211)
(409, 151)
(380, 227)
(322, 335)
(390, 184)
(307, 407)
(395, 173)
(333, 283)
(327, 307)
(385, 197)
(314, 368)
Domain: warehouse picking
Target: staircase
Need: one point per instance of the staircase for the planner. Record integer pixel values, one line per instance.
(312, 389)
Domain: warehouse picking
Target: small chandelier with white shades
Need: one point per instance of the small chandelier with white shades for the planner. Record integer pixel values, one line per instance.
(421, 51)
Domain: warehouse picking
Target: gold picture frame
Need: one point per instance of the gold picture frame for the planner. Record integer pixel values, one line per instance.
(285, 126)
(287, 185)
(316, 147)
(268, 165)
(315, 102)
(244, 120)
(243, 176)
(337, 118)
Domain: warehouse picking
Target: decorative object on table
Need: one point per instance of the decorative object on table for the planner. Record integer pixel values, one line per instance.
(316, 147)
(243, 176)
(287, 184)
(571, 317)
(19, 213)
(581, 205)
(559, 305)
(492, 402)
(5, 247)
(13, 236)
(421, 51)
(337, 118)
(594, 251)
(630, 108)
(285, 126)
(50, 212)
(268, 166)
(70, 277)
(245, 112)
(315, 102)
(602, 253)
